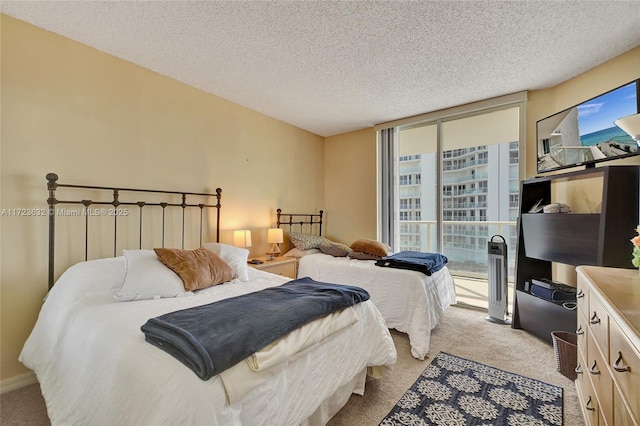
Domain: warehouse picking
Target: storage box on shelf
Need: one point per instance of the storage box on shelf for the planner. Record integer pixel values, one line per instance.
(608, 379)
(600, 239)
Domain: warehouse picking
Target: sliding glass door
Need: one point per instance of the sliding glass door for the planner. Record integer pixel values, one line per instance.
(417, 168)
(457, 184)
(480, 184)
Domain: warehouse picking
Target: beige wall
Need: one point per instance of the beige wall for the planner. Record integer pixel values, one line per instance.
(607, 76)
(350, 186)
(94, 119)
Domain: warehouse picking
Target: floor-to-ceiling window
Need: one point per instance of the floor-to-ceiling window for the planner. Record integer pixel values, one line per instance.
(480, 166)
(417, 192)
(457, 180)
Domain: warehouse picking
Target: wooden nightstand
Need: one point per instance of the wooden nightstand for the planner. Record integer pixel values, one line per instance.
(285, 266)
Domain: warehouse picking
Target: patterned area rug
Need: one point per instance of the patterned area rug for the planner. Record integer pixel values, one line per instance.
(457, 391)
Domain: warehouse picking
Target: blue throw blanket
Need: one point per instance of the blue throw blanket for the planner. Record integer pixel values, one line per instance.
(427, 263)
(211, 338)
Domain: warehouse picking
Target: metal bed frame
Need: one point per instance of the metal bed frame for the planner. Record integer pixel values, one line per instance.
(115, 203)
(300, 219)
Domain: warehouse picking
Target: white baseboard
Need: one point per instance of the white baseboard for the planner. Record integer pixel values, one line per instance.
(17, 382)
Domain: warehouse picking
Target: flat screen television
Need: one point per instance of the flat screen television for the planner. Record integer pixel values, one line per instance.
(586, 134)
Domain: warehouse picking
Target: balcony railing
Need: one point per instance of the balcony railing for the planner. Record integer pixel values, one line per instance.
(409, 168)
(464, 192)
(466, 205)
(410, 191)
(465, 165)
(467, 255)
(466, 178)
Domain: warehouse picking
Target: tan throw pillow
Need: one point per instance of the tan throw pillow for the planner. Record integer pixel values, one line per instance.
(334, 249)
(198, 269)
(372, 247)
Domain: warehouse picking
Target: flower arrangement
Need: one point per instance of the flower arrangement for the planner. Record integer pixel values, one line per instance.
(636, 248)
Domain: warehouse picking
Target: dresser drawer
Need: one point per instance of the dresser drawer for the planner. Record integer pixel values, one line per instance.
(621, 415)
(625, 366)
(588, 400)
(599, 324)
(581, 335)
(582, 372)
(582, 300)
(598, 372)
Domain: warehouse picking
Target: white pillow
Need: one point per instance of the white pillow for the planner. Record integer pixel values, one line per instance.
(233, 256)
(298, 253)
(146, 277)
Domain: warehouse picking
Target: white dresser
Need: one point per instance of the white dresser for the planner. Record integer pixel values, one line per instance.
(608, 331)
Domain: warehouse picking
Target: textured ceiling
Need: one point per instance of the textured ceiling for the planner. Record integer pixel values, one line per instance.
(330, 67)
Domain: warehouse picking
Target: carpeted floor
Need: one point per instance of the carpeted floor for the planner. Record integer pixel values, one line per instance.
(463, 332)
(24, 407)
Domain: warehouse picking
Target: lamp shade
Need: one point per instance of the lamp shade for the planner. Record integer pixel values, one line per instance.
(242, 238)
(274, 236)
(631, 125)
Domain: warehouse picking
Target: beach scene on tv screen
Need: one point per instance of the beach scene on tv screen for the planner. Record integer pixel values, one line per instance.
(587, 132)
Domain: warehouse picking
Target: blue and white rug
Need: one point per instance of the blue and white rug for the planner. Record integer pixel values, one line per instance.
(455, 391)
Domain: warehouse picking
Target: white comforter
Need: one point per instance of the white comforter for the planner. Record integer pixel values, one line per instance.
(94, 366)
(409, 301)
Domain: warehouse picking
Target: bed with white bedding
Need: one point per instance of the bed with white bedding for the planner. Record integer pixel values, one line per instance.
(410, 301)
(94, 365)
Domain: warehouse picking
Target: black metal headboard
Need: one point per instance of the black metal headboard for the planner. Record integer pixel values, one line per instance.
(301, 219)
(115, 206)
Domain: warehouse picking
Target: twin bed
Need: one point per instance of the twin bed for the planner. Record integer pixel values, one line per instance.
(410, 301)
(95, 367)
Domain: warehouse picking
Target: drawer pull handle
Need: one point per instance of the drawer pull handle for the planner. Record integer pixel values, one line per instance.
(588, 405)
(594, 369)
(616, 365)
(578, 369)
(579, 331)
(580, 294)
(594, 319)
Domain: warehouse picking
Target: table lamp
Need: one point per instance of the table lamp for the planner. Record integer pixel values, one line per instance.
(242, 238)
(275, 237)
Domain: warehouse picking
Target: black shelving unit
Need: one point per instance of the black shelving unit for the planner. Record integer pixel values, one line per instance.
(600, 239)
